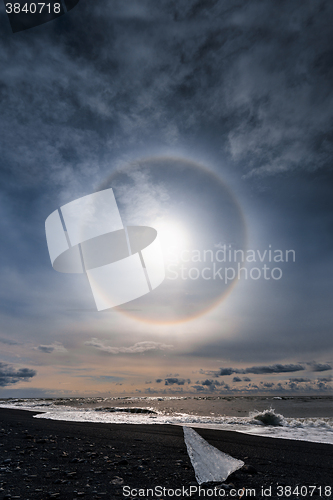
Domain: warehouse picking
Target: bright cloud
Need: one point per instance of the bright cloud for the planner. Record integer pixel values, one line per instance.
(139, 347)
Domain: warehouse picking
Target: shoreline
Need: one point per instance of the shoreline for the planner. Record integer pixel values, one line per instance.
(237, 406)
(42, 458)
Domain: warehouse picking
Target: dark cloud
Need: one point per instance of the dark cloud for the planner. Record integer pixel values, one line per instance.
(323, 386)
(45, 348)
(158, 380)
(226, 371)
(198, 388)
(114, 93)
(321, 367)
(211, 386)
(219, 373)
(278, 368)
(300, 380)
(236, 379)
(149, 390)
(291, 386)
(176, 381)
(308, 386)
(211, 383)
(9, 375)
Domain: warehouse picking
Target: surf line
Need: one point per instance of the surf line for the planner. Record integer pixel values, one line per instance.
(209, 463)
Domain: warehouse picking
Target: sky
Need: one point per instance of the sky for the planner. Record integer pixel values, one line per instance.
(212, 123)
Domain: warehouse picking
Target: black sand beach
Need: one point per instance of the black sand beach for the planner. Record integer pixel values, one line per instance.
(41, 459)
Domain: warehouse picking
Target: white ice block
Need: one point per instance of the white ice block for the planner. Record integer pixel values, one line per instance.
(209, 463)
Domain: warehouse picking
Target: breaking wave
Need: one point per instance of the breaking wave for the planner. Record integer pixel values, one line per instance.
(268, 417)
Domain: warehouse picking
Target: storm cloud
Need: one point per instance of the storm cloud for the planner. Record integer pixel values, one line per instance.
(278, 368)
(263, 111)
(9, 375)
(321, 367)
(176, 381)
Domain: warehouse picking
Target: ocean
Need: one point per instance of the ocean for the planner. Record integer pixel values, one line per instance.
(305, 418)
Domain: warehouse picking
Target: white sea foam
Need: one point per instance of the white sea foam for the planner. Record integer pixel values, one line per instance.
(265, 423)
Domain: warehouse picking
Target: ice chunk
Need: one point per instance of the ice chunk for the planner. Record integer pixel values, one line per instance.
(209, 463)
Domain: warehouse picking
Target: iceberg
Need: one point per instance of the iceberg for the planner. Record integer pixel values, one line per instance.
(209, 463)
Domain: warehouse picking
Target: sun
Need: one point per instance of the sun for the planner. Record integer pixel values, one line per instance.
(191, 209)
(172, 234)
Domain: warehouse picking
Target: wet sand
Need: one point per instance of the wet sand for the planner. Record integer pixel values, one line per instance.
(41, 459)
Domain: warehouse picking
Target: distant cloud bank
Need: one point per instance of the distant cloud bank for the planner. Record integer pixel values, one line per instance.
(258, 370)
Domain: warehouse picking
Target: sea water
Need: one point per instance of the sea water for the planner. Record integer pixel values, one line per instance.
(304, 418)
